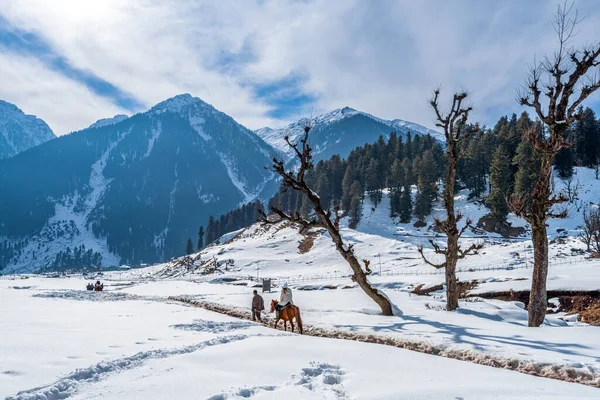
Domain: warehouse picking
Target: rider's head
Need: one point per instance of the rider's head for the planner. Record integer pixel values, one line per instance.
(285, 285)
(255, 291)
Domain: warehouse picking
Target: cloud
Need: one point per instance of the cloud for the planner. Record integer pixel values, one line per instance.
(266, 62)
(64, 104)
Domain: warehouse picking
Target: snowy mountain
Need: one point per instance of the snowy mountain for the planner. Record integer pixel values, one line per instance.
(108, 121)
(19, 131)
(339, 132)
(134, 193)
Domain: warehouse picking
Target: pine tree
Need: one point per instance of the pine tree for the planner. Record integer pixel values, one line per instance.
(528, 167)
(426, 193)
(190, 247)
(397, 175)
(501, 182)
(409, 176)
(323, 189)
(373, 182)
(355, 211)
(565, 160)
(395, 183)
(211, 230)
(587, 139)
(200, 238)
(405, 205)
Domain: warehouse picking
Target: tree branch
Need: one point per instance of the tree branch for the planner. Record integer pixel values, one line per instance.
(438, 266)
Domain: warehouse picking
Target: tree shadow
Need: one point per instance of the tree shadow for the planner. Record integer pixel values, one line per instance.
(470, 336)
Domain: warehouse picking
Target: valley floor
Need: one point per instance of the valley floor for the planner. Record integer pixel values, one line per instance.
(129, 342)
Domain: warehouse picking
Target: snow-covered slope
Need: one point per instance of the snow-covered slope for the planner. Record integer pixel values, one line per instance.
(108, 121)
(19, 131)
(340, 131)
(322, 285)
(130, 191)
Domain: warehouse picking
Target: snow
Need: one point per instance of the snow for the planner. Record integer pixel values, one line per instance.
(236, 178)
(145, 347)
(330, 300)
(154, 134)
(176, 104)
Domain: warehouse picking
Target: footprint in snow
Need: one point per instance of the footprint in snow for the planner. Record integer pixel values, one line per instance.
(320, 378)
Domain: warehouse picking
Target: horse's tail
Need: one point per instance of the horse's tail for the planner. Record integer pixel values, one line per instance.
(299, 319)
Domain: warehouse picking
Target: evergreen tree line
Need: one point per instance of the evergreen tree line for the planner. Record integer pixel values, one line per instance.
(514, 165)
(78, 257)
(497, 162)
(397, 164)
(231, 221)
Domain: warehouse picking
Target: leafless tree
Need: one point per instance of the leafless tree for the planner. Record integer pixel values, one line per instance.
(590, 230)
(325, 218)
(454, 124)
(564, 80)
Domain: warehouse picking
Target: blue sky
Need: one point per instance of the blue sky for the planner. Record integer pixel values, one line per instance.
(267, 63)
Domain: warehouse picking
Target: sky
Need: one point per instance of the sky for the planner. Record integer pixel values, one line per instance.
(268, 63)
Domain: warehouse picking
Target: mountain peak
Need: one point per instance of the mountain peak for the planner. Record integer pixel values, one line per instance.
(177, 103)
(20, 131)
(109, 121)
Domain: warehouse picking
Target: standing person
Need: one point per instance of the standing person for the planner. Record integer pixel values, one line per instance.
(258, 304)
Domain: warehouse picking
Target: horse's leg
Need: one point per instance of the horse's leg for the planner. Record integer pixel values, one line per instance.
(276, 323)
(285, 325)
(292, 323)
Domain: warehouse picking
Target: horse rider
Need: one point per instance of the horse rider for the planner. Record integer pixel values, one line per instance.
(285, 298)
(98, 287)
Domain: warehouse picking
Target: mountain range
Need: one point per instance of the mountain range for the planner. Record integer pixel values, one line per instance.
(339, 131)
(130, 190)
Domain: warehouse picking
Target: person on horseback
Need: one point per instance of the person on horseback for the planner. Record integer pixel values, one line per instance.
(285, 298)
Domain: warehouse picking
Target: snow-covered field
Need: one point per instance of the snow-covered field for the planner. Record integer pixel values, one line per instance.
(59, 341)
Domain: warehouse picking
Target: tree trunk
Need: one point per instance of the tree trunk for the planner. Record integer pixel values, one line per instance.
(359, 275)
(538, 300)
(451, 281)
(451, 232)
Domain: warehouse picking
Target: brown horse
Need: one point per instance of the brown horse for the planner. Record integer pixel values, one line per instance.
(287, 314)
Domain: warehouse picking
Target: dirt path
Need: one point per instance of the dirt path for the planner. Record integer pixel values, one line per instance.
(547, 370)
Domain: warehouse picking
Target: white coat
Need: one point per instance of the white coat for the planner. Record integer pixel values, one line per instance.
(286, 297)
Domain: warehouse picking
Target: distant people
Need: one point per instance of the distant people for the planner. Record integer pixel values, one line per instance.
(285, 299)
(258, 304)
(90, 286)
(98, 286)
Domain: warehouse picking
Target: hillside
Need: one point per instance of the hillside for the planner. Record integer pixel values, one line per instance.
(129, 191)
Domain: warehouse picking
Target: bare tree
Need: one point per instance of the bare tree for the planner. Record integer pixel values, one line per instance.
(325, 219)
(454, 124)
(590, 230)
(565, 80)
